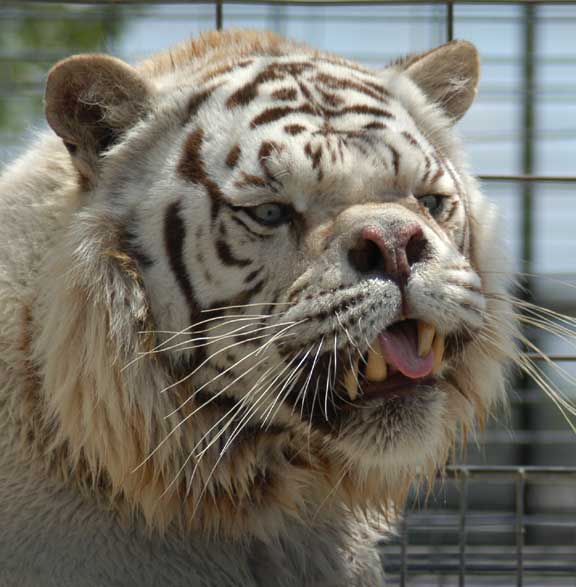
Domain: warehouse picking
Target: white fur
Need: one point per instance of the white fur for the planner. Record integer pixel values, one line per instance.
(73, 305)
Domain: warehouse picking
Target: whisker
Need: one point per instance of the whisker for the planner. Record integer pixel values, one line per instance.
(333, 490)
(202, 340)
(242, 404)
(221, 308)
(350, 339)
(229, 319)
(227, 414)
(220, 392)
(304, 389)
(242, 424)
(182, 346)
(233, 320)
(560, 403)
(559, 331)
(216, 353)
(293, 377)
(263, 347)
(173, 431)
(561, 372)
(541, 379)
(326, 387)
(519, 301)
(542, 276)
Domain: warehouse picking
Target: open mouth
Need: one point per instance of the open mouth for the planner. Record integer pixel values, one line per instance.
(407, 354)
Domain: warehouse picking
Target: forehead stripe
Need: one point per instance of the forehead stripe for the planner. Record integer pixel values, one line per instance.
(191, 167)
(440, 171)
(264, 153)
(375, 92)
(410, 138)
(248, 180)
(197, 100)
(395, 158)
(233, 156)
(426, 169)
(375, 126)
(294, 129)
(275, 71)
(361, 109)
(287, 94)
(276, 113)
(466, 245)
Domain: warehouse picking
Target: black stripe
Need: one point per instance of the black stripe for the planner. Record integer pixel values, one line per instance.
(129, 244)
(174, 237)
(466, 246)
(248, 229)
(226, 256)
(255, 290)
(252, 275)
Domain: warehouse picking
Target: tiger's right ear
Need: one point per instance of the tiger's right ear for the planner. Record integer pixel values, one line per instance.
(90, 101)
(448, 76)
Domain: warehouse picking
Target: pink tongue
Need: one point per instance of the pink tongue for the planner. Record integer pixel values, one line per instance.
(400, 349)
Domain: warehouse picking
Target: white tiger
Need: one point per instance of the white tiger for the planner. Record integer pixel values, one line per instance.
(249, 292)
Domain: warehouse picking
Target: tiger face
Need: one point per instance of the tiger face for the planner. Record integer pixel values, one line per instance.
(313, 259)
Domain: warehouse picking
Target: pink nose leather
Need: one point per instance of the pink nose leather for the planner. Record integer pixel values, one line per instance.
(393, 245)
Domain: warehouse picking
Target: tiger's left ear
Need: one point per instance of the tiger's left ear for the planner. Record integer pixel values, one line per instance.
(448, 75)
(90, 101)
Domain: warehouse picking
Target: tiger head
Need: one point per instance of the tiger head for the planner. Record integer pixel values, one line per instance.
(278, 287)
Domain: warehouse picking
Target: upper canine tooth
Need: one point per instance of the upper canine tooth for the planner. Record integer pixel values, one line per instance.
(351, 381)
(438, 348)
(426, 334)
(376, 368)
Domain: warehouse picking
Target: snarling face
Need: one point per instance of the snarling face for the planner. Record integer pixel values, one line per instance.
(316, 258)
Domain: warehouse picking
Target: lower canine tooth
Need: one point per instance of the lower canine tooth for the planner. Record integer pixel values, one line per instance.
(426, 334)
(351, 382)
(376, 368)
(438, 348)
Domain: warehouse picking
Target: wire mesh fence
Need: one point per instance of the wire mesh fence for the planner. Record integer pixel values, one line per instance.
(508, 517)
(451, 538)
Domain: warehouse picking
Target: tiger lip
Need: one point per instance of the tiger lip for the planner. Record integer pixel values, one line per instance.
(377, 369)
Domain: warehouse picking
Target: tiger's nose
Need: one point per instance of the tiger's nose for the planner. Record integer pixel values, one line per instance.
(391, 251)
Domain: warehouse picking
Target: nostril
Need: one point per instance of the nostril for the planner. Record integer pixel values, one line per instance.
(416, 247)
(365, 257)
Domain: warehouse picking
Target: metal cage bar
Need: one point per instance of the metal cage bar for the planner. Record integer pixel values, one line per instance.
(293, 2)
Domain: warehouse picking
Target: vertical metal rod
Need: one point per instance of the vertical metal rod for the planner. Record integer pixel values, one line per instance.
(404, 550)
(527, 418)
(520, 490)
(463, 538)
(219, 15)
(528, 118)
(449, 20)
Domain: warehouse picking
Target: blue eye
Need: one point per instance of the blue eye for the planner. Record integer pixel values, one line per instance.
(271, 214)
(433, 203)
